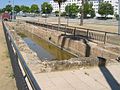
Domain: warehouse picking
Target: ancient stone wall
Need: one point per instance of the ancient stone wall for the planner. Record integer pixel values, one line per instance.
(79, 46)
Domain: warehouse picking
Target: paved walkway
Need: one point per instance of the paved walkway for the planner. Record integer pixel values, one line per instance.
(105, 78)
(7, 81)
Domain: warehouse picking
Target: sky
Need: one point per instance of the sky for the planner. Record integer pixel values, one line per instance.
(3, 3)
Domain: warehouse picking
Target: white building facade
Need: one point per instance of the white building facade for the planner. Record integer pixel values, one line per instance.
(95, 3)
(68, 2)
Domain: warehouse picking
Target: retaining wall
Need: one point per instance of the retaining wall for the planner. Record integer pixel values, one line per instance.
(79, 46)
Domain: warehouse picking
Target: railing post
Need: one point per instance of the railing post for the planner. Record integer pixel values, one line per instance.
(105, 37)
(74, 31)
(65, 29)
(87, 33)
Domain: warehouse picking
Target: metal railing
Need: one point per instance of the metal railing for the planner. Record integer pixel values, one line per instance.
(103, 36)
(24, 78)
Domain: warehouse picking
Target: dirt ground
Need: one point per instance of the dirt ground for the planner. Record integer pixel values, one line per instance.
(7, 80)
(113, 29)
(95, 26)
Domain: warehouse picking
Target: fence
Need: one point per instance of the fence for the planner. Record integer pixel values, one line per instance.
(105, 37)
(24, 78)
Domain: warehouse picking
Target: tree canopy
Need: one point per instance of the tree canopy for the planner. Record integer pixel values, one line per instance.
(88, 10)
(17, 8)
(72, 10)
(34, 8)
(46, 8)
(105, 9)
(8, 8)
(25, 9)
(0, 11)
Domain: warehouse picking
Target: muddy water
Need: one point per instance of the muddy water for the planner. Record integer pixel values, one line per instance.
(44, 49)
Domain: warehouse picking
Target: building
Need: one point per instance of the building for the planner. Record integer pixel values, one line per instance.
(68, 2)
(79, 3)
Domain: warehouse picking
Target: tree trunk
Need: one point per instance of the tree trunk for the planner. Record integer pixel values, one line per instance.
(59, 15)
(82, 14)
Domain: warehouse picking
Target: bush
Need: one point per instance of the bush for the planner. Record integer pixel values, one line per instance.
(57, 13)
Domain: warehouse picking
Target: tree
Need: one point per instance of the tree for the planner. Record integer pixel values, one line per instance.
(17, 8)
(105, 9)
(3, 10)
(0, 11)
(34, 8)
(92, 13)
(88, 10)
(72, 10)
(46, 8)
(25, 9)
(59, 3)
(8, 8)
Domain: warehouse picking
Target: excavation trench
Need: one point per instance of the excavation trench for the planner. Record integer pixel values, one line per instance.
(51, 57)
(44, 49)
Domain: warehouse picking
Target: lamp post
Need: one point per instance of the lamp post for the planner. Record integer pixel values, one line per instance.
(13, 10)
(119, 18)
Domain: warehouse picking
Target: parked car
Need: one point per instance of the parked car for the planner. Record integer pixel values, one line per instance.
(44, 15)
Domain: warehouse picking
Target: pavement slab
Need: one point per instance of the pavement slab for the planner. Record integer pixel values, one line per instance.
(96, 78)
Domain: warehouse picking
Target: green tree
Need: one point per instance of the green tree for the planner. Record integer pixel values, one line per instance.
(17, 9)
(3, 10)
(34, 8)
(46, 8)
(8, 8)
(0, 11)
(59, 3)
(92, 13)
(105, 9)
(25, 9)
(72, 10)
(87, 9)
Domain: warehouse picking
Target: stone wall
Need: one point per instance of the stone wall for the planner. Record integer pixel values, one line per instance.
(39, 66)
(79, 46)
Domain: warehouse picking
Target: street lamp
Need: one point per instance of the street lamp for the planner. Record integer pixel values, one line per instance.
(119, 18)
(13, 10)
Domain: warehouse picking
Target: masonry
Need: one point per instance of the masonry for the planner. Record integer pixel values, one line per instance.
(78, 45)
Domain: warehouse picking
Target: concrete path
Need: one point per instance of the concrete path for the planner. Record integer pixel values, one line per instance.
(7, 81)
(105, 78)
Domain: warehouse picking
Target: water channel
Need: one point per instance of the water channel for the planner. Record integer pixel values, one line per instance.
(44, 49)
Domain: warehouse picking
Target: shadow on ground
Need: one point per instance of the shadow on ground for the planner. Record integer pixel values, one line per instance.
(114, 85)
